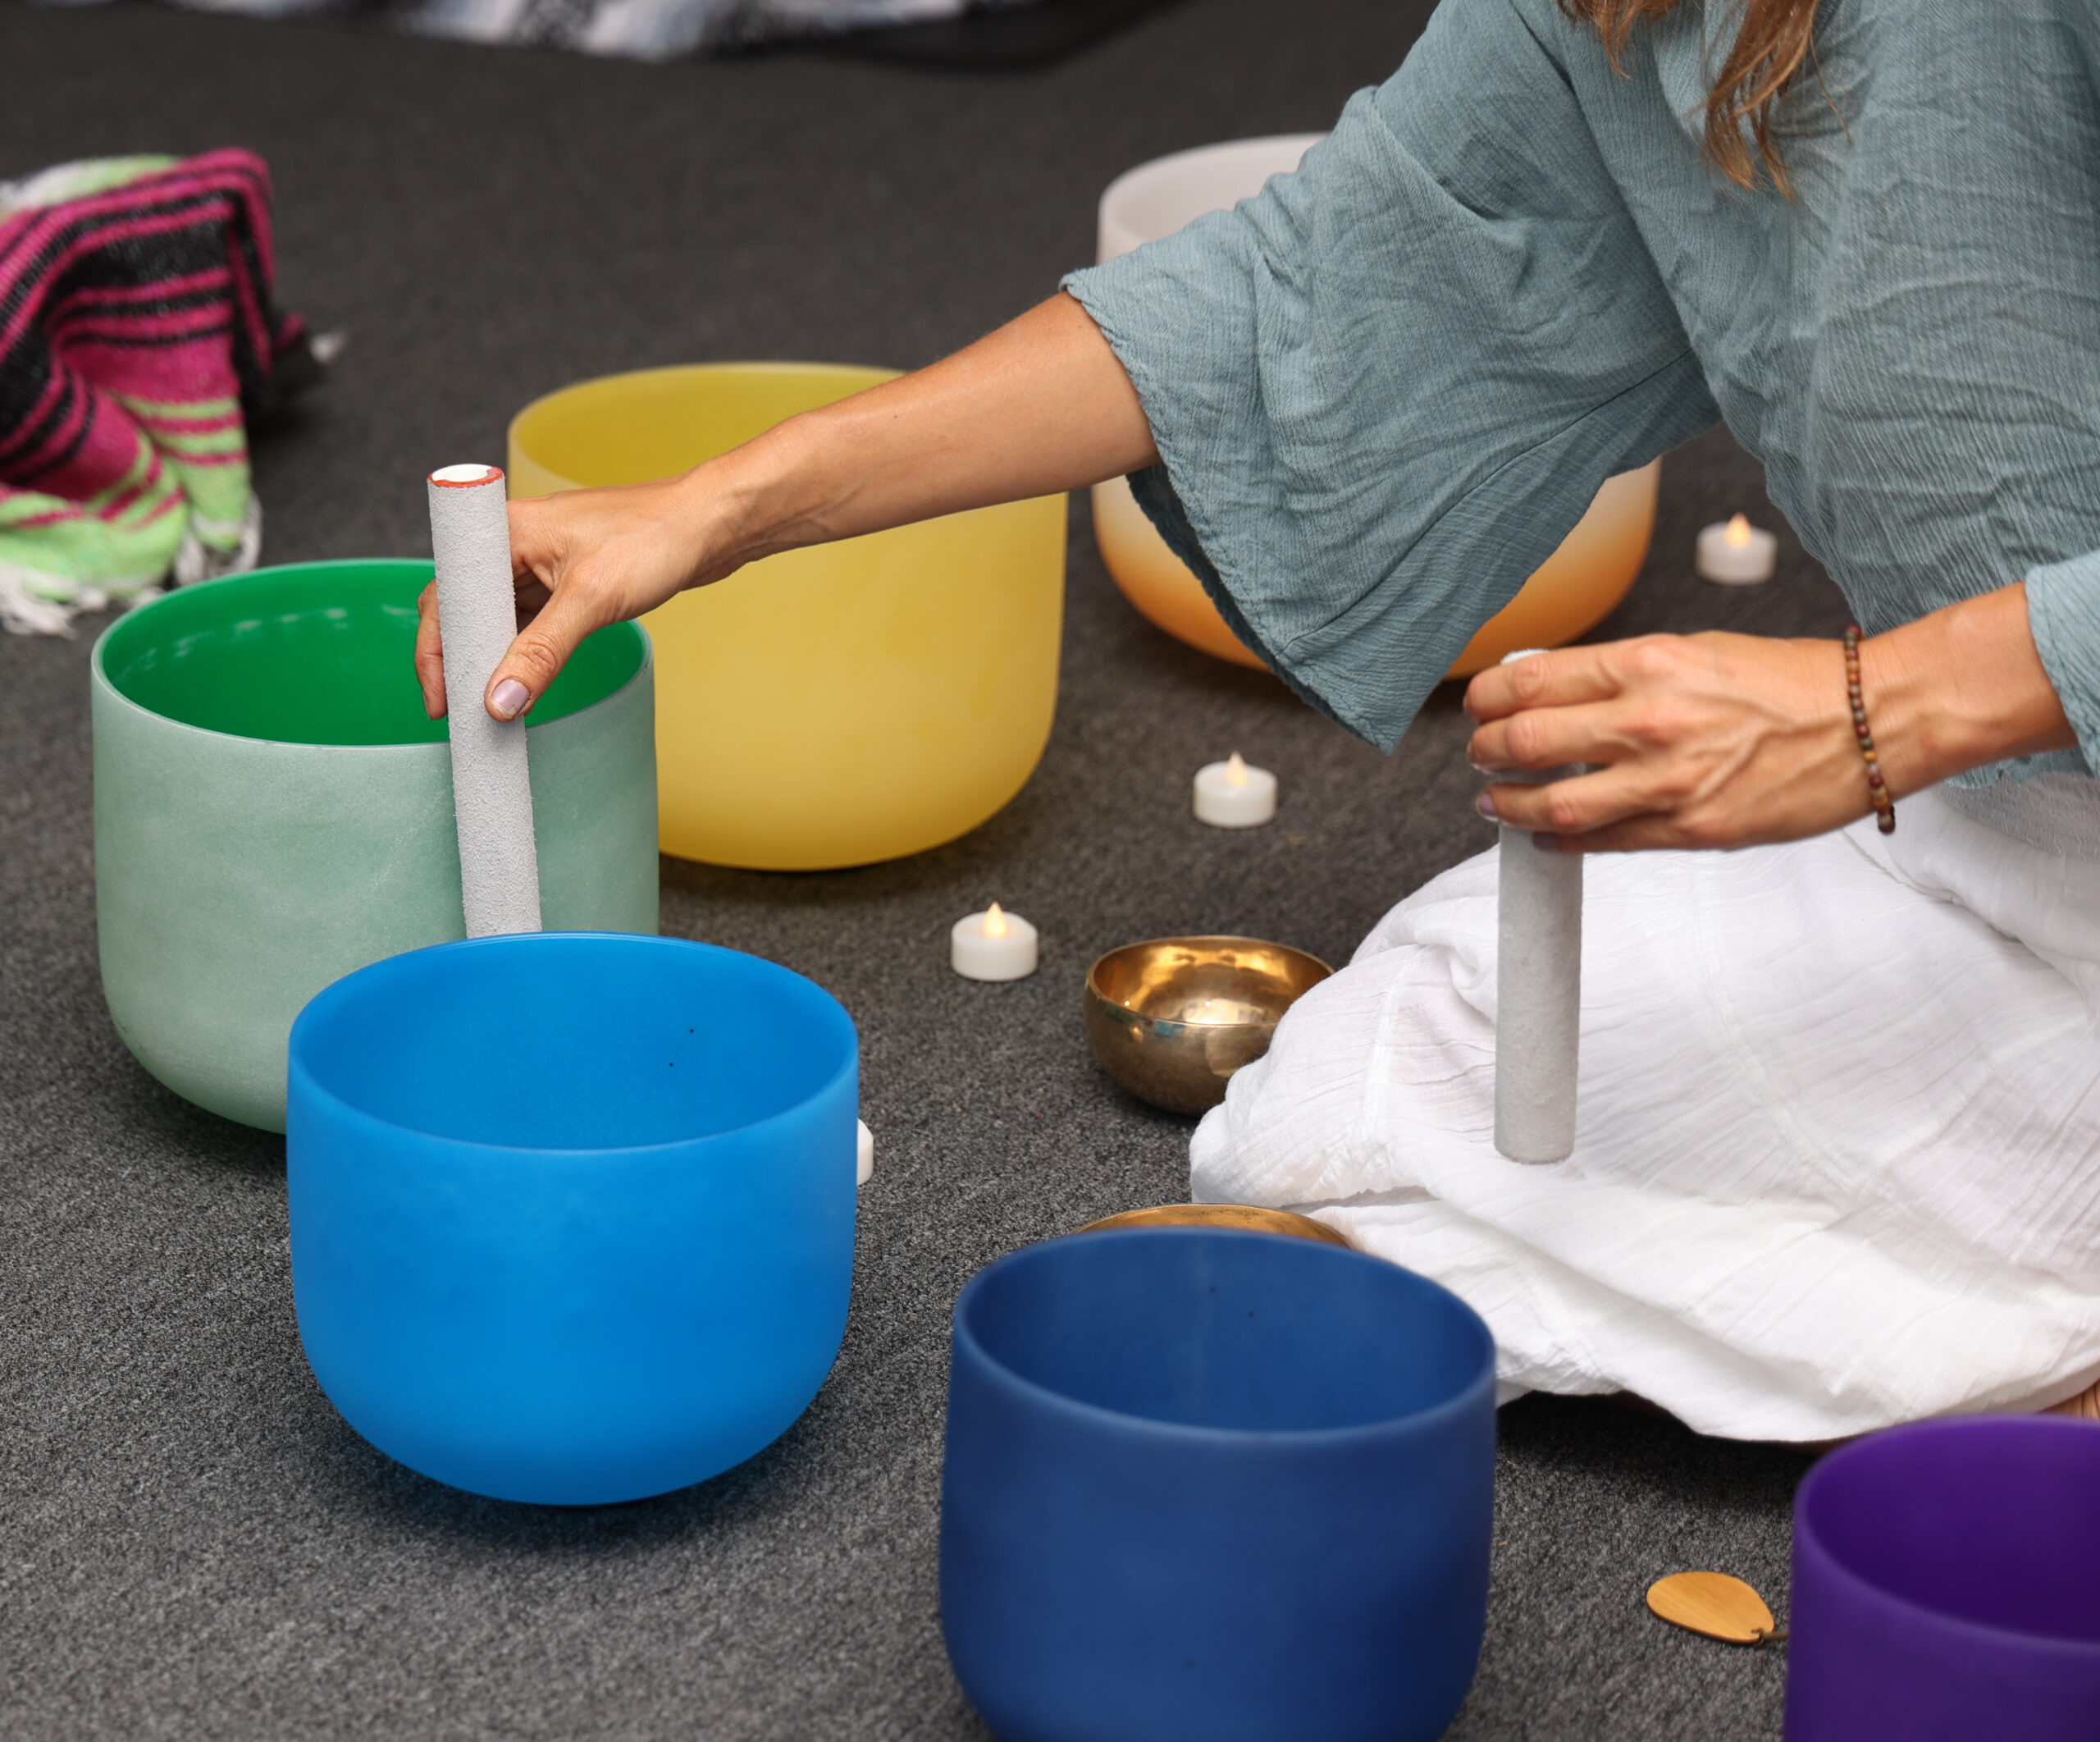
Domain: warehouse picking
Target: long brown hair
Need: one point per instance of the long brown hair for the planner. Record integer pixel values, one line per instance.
(1776, 38)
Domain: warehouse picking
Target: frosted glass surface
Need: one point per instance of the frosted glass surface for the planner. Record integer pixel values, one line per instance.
(236, 876)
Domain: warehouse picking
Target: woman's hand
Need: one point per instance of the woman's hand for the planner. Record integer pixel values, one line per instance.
(1718, 740)
(1039, 407)
(580, 561)
(1694, 741)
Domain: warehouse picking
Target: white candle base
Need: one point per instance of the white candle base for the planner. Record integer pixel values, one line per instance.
(1007, 951)
(863, 1154)
(1230, 795)
(1737, 555)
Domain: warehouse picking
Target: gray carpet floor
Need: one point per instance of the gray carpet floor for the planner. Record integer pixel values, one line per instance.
(192, 1543)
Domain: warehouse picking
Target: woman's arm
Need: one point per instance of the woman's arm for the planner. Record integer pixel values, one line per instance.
(1727, 740)
(1039, 406)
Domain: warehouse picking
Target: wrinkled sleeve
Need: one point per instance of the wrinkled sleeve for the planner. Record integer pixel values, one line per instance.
(1384, 390)
(2063, 612)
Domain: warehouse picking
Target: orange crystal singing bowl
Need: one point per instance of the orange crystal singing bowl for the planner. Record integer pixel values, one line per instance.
(829, 706)
(1570, 593)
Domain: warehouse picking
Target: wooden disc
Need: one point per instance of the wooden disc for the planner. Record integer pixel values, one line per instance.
(1714, 1604)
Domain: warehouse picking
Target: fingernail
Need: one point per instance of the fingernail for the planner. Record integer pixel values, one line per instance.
(1480, 767)
(1546, 842)
(1485, 806)
(510, 699)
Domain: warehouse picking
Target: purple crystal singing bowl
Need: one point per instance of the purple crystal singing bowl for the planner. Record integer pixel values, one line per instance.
(1947, 1585)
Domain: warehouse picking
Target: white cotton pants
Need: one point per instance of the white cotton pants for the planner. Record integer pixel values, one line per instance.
(1837, 1157)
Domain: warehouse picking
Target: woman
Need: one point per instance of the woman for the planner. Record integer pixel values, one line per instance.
(1839, 1160)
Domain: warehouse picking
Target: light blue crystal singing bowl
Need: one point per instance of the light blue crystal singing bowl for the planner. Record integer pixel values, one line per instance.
(572, 1214)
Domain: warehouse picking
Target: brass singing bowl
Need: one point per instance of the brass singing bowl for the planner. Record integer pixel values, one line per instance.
(1249, 1217)
(1171, 1019)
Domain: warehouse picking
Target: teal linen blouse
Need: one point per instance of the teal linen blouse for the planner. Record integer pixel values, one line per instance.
(1384, 389)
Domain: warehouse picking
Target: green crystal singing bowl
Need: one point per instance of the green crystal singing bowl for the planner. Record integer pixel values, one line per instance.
(273, 811)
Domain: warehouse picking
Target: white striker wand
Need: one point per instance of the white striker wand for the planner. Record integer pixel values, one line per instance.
(1538, 990)
(491, 785)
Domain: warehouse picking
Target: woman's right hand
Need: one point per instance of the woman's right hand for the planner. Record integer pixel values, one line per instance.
(580, 561)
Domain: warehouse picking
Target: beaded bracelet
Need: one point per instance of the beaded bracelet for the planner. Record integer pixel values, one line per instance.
(1884, 806)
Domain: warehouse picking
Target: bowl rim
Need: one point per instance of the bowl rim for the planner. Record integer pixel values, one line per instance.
(1162, 1215)
(1095, 991)
(101, 683)
(1435, 1414)
(296, 1070)
(1140, 179)
(1808, 1542)
(877, 374)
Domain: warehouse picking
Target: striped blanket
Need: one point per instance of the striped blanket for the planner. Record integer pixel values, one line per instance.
(135, 326)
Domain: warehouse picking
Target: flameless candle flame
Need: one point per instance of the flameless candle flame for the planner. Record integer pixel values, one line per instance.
(1235, 769)
(995, 922)
(1738, 531)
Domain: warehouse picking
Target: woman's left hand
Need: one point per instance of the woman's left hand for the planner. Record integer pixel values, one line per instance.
(1708, 740)
(1718, 740)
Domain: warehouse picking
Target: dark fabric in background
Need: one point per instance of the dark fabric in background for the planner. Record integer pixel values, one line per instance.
(981, 34)
(191, 1542)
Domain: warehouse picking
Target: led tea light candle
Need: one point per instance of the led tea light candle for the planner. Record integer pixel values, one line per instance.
(491, 786)
(1737, 555)
(1538, 988)
(994, 945)
(1230, 795)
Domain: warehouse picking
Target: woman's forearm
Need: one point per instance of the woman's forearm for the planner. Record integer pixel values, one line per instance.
(1041, 405)
(1959, 687)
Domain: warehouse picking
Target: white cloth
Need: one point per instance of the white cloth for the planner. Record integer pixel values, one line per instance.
(1837, 1158)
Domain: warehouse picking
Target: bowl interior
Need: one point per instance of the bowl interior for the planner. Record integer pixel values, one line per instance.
(652, 424)
(315, 653)
(1205, 1328)
(1990, 1521)
(1207, 981)
(574, 1041)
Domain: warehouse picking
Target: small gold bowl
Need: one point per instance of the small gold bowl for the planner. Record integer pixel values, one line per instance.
(1250, 1217)
(1173, 1018)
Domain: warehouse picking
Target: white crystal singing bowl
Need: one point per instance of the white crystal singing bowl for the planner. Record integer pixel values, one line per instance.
(1568, 593)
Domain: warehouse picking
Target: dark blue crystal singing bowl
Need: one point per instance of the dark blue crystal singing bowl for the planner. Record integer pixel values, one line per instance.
(1204, 1486)
(572, 1214)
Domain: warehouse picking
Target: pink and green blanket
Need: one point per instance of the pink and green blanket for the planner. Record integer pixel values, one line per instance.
(135, 325)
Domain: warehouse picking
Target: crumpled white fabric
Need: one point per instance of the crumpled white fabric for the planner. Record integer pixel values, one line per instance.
(1838, 1156)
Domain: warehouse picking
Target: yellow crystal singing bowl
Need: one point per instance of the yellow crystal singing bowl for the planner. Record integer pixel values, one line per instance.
(830, 706)
(1571, 592)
